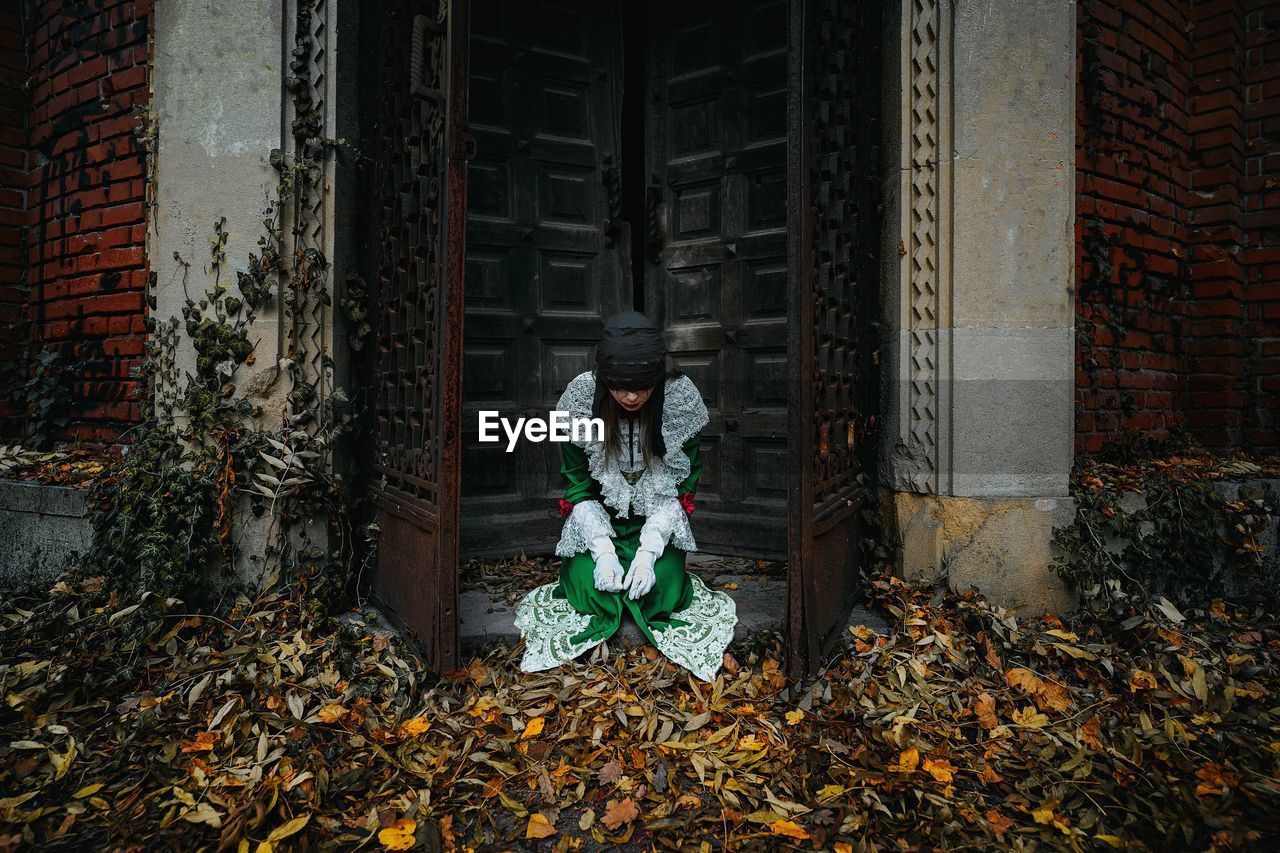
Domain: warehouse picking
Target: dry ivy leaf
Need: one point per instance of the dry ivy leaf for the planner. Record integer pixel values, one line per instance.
(794, 717)
(616, 813)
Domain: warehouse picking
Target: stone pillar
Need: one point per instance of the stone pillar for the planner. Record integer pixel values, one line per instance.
(978, 271)
(239, 85)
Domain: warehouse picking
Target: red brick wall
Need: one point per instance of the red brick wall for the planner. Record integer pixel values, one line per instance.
(13, 192)
(1176, 325)
(1262, 222)
(87, 72)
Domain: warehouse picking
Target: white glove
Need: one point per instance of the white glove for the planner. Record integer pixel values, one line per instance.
(640, 577)
(608, 573)
(653, 541)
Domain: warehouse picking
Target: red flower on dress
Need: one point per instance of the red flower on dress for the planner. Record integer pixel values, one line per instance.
(686, 501)
(564, 508)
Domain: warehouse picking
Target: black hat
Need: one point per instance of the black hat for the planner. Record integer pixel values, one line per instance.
(632, 356)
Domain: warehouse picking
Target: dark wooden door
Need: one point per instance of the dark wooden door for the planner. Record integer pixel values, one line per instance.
(416, 118)
(832, 203)
(543, 263)
(716, 273)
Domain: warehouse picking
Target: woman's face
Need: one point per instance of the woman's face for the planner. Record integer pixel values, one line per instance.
(631, 400)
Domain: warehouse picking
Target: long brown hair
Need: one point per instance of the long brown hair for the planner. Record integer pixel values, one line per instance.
(611, 413)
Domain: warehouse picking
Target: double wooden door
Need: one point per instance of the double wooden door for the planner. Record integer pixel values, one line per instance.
(498, 200)
(548, 246)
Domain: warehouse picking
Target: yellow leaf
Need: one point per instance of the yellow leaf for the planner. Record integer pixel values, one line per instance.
(1062, 635)
(1044, 814)
(532, 729)
(1141, 679)
(263, 846)
(284, 830)
(939, 768)
(844, 847)
(88, 791)
(539, 826)
(1076, 653)
(908, 761)
(1030, 717)
(399, 835)
(414, 727)
(794, 717)
(826, 792)
(751, 743)
(788, 828)
(332, 713)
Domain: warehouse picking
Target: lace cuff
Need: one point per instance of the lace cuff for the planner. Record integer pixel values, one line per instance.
(587, 521)
(669, 522)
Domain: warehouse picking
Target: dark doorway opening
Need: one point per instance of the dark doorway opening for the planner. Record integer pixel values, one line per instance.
(634, 98)
(626, 156)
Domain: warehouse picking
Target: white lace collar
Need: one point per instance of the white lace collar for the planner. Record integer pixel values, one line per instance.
(683, 415)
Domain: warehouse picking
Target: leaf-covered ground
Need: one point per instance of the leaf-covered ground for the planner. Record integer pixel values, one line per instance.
(138, 725)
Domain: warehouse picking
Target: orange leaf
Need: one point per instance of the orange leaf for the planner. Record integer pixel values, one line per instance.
(331, 714)
(940, 769)
(203, 743)
(985, 708)
(532, 729)
(908, 761)
(788, 828)
(617, 813)
(539, 826)
(413, 727)
(999, 823)
(1141, 680)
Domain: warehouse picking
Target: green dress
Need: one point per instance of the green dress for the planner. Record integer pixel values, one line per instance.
(684, 619)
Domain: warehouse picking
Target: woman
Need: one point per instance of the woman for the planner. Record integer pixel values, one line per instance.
(627, 503)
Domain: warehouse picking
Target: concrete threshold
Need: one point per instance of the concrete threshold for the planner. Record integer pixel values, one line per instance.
(486, 619)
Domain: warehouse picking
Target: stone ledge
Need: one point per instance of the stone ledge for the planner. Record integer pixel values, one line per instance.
(43, 529)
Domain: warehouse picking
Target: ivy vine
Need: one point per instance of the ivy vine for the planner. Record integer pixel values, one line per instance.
(169, 512)
(1161, 533)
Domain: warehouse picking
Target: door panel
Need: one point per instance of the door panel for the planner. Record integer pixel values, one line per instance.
(832, 201)
(717, 155)
(541, 271)
(416, 102)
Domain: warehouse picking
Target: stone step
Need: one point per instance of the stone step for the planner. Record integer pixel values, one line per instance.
(485, 618)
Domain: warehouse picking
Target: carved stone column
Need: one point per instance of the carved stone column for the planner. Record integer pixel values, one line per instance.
(978, 302)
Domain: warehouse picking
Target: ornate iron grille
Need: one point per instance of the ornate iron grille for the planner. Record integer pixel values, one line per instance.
(844, 247)
(410, 201)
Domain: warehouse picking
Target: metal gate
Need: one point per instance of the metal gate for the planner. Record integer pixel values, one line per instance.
(832, 201)
(416, 133)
